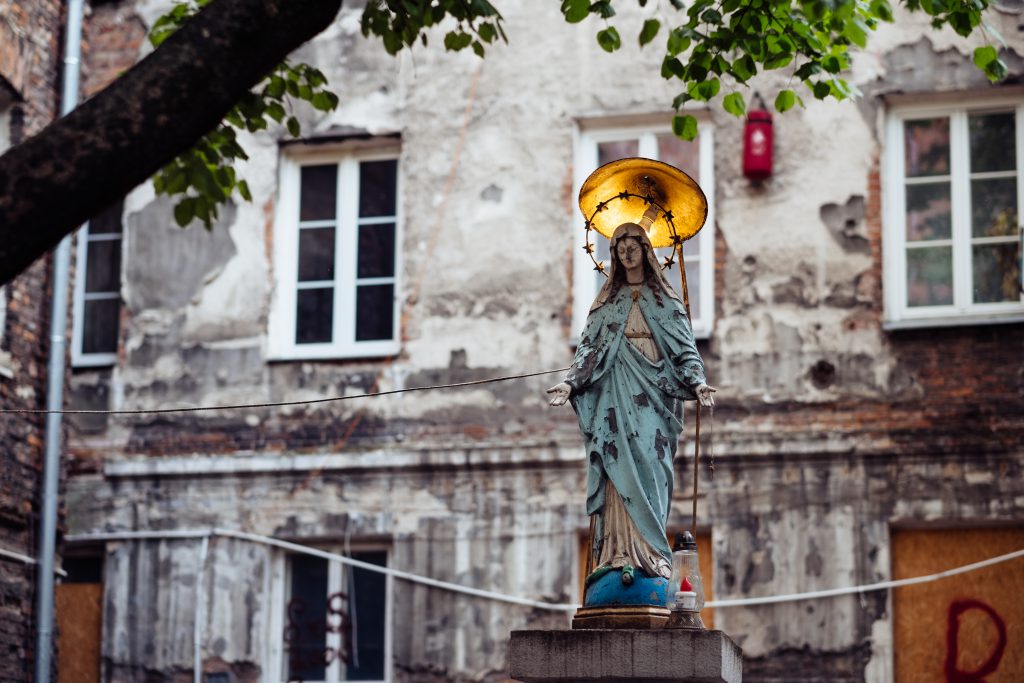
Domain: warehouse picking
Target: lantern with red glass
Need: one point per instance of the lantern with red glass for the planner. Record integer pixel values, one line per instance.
(757, 144)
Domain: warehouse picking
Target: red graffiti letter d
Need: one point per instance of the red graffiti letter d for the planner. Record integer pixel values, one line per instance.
(955, 675)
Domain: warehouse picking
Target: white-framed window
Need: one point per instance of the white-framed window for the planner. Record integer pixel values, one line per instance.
(332, 621)
(952, 232)
(597, 145)
(336, 258)
(97, 299)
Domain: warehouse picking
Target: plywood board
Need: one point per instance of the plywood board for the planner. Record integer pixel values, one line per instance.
(79, 623)
(964, 629)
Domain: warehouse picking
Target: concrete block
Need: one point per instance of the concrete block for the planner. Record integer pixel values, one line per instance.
(621, 655)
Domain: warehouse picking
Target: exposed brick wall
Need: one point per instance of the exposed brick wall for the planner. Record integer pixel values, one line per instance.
(30, 37)
(112, 38)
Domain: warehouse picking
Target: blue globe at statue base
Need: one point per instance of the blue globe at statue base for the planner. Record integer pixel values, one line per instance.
(608, 590)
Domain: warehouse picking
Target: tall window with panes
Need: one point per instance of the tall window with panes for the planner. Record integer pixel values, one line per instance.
(97, 302)
(952, 233)
(336, 261)
(335, 620)
(598, 146)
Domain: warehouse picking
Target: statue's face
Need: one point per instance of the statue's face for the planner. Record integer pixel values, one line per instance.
(630, 252)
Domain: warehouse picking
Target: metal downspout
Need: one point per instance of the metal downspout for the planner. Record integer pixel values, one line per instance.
(55, 380)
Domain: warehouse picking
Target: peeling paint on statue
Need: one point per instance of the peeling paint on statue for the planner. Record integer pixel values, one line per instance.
(637, 360)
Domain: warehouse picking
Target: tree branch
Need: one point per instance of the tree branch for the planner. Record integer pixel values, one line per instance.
(55, 181)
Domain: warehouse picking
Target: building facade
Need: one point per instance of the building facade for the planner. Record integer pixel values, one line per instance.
(860, 313)
(30, 51)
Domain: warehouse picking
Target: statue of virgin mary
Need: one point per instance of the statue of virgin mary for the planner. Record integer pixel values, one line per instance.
(635, 360)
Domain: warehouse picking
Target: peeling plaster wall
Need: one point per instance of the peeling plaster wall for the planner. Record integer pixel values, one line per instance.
(829, 429)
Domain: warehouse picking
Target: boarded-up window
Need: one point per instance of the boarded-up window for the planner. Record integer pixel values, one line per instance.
(79, 606)
(963, 629)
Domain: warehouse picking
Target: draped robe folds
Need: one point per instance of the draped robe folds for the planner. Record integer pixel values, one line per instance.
(626, 406)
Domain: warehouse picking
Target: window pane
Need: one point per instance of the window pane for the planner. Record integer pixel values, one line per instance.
(314, 315)
(996, 272)
(926, 147)
(377, 188)
(103, 266)
(930, 276)
(608, 152)
(100, 326)
(316, 254)
(684, 155)
(305, 631)
(374, 312)
(994, 207)
(108, 220)
(377, 250)
(928, 212)
(368, 605)
(992, 142)
(318, 192)
(692, 281)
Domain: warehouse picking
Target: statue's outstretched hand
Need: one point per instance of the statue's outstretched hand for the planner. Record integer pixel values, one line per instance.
(706, 395)
(561, 393)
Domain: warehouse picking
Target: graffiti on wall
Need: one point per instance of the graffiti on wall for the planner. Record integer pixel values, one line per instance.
(990, 663)
(303, 629)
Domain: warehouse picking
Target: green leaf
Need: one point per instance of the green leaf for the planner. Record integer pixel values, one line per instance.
(649, 31)
(712, 16)
(478, 48)
(243, 189)
(575, 11)
(821, 90)
(677, 42)
(996, 70)
(684, 126)
(708, 89)
(294, 129)
(778, 61)
(983, 56)
(744, 68)
(603, 8)
(276, 111)
(734, 104)
(609, 39)
(324, 101)
(785, 100)
(671, 66)
(185, 211)
(487, 32)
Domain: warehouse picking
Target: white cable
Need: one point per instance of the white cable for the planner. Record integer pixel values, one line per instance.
(501, 597)
(881, 585)
(295, 547)
(11, 555)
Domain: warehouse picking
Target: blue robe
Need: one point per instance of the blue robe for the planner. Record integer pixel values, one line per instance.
(626, 405)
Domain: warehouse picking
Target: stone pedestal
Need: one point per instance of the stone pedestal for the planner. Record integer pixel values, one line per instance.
(621, 655)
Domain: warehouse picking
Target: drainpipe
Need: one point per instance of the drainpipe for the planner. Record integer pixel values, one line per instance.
(55, 379)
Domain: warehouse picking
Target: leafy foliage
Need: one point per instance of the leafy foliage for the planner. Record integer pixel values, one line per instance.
(720, 45)
(400, 23)
(204, 177)
(714, 47)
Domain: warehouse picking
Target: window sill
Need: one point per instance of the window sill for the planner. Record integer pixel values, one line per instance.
(376, 351)
(953, 321)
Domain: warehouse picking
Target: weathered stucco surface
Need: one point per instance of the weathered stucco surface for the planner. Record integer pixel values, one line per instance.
(829, 429)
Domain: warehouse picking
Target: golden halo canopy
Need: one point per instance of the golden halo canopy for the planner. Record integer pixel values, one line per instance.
(622, 186)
